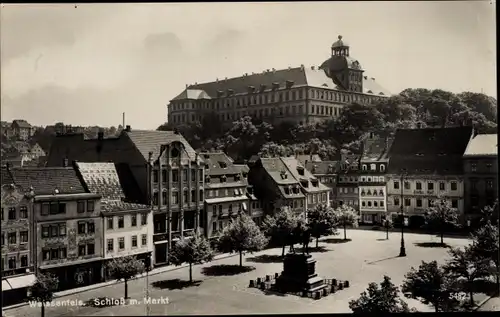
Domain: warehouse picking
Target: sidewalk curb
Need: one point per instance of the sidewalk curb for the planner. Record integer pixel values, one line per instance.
(109, 283)
(482, 303)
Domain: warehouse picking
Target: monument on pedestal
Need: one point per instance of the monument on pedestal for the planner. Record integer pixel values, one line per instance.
(299, 274)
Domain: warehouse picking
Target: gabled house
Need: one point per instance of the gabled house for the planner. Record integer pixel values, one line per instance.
(372, 182)
(167, 170)
(127, 226)
(327, 173)
(348, 181)
(225, 191)
(424, 165)
(276, 186)
(22, 129)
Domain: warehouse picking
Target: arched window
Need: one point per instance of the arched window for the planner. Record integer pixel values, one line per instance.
(375, 204)
(363, 203)
(364, 167)
(382, 167)
(369, 204)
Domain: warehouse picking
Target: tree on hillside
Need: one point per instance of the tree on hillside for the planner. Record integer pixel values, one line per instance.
(430, 285)
(466, 266)
(379, 299)
(321, 221)
(359, 119)
(441, 215)
(480, 103)
(42, 291)
(486, 247)
(242, 139)
(280, 227)
(195, 250)
(242, 235)
(346, 216)
(125, 268)
(271, 149)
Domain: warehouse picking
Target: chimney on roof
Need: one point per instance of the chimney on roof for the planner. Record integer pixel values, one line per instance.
(127, 128)
(150, 157)
(274, 70)
(312, 67)
(289, 68)
(373, 78)
(268, 70)
(246, 74)
(65, 162)
(186, 86)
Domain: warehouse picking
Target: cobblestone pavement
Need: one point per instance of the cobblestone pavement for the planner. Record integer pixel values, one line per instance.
(367, 258)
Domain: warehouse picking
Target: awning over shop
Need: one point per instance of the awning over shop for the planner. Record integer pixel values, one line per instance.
(225, 199)
(5, 286)
(20, 281)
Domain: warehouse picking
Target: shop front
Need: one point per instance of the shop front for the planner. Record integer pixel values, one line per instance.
(77, 275)
(15, 288)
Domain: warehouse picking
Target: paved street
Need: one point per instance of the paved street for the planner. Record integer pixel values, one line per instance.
(364, 259)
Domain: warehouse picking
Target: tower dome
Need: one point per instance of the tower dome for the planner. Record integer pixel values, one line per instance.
(340, 43)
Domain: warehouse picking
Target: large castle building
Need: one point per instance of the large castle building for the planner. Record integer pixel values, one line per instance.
(301, 94)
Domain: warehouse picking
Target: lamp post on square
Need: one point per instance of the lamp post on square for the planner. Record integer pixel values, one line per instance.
(402, 249)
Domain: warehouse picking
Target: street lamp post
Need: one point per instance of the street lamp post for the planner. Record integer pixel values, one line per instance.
(402, 249)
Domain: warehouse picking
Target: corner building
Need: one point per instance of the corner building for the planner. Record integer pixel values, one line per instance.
(301, 94)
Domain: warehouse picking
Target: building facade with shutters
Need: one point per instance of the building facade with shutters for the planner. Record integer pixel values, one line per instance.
(300, 94)
(424, 165)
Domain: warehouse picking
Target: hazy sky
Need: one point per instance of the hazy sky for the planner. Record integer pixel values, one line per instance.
(87, 65)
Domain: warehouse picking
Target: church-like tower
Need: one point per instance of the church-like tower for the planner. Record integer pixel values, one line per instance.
(344, 70)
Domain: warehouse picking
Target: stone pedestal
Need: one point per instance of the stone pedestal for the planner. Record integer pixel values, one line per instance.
(299, 274)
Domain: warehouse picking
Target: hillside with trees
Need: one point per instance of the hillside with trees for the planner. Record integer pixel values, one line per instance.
(409, 109)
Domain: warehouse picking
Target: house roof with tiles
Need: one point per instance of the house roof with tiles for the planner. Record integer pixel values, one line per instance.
(429, 151)
(323, 167)
(46, 180)
(376, 149)
(103, 179)
(218, 163)
(6, 177)
(270, 80)
(75, 147)
(150, 141)
(482, 145)
(23, 124)
(308, 181)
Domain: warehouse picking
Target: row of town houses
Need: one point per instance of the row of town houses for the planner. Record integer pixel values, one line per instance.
(140, 192)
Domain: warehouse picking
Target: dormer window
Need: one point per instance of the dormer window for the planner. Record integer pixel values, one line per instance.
(237, 177)
(374, 193)
(381, 192)
(382, 167)
(283, 175)
(287, 190)
(304, 183)
(262, 87)
(363, 193)
(314, 168)
(220, 93)
(365, 167)
(369, 192)
(289, 83)
(300, 170)
(207, 179)
(276, 86)
(330, 168)
(315, 182)
(223, 179)
(251, 89)
(295, 190)
(222, 164)
(230, 92)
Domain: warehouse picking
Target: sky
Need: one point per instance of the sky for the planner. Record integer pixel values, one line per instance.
(86, 64)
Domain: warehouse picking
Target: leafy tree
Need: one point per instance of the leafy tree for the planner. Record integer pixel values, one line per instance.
(388, 224)
(381, 299)
(195, 250)
(480, 103)
(280, 227)
(125, 268)
(321, 221)
(431, 285)
(441, 215)
(242, 235)
(346, 216)
(271, 149)
(486, 246)
(43, 290)
(466, 266)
